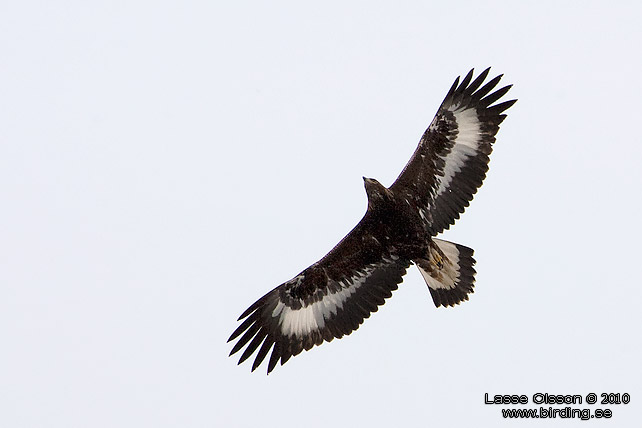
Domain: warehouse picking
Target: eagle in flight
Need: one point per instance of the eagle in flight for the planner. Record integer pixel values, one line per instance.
(332, 297)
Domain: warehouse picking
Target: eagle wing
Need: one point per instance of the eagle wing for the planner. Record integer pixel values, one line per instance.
(451, 161)
(327, 300)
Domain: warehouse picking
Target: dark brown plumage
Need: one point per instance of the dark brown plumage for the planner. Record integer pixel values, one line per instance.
(332, 297)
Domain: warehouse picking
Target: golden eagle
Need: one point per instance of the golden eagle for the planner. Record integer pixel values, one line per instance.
(332, 297)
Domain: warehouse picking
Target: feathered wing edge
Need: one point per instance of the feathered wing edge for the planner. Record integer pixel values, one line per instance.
(287, 325)
(451, 161)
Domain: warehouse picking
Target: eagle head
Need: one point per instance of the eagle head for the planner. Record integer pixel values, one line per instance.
(376, 192)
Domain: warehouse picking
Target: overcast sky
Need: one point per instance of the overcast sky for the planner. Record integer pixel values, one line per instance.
(164, 164)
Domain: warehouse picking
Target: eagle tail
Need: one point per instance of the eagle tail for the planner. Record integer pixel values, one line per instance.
(448, 272)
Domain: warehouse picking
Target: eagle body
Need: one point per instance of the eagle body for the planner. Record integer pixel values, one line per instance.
(332, 297)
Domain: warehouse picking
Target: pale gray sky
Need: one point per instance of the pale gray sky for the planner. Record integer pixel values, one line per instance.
(164, 164)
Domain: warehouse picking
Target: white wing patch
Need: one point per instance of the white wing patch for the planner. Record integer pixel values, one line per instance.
(465, 146)
(301, 322)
